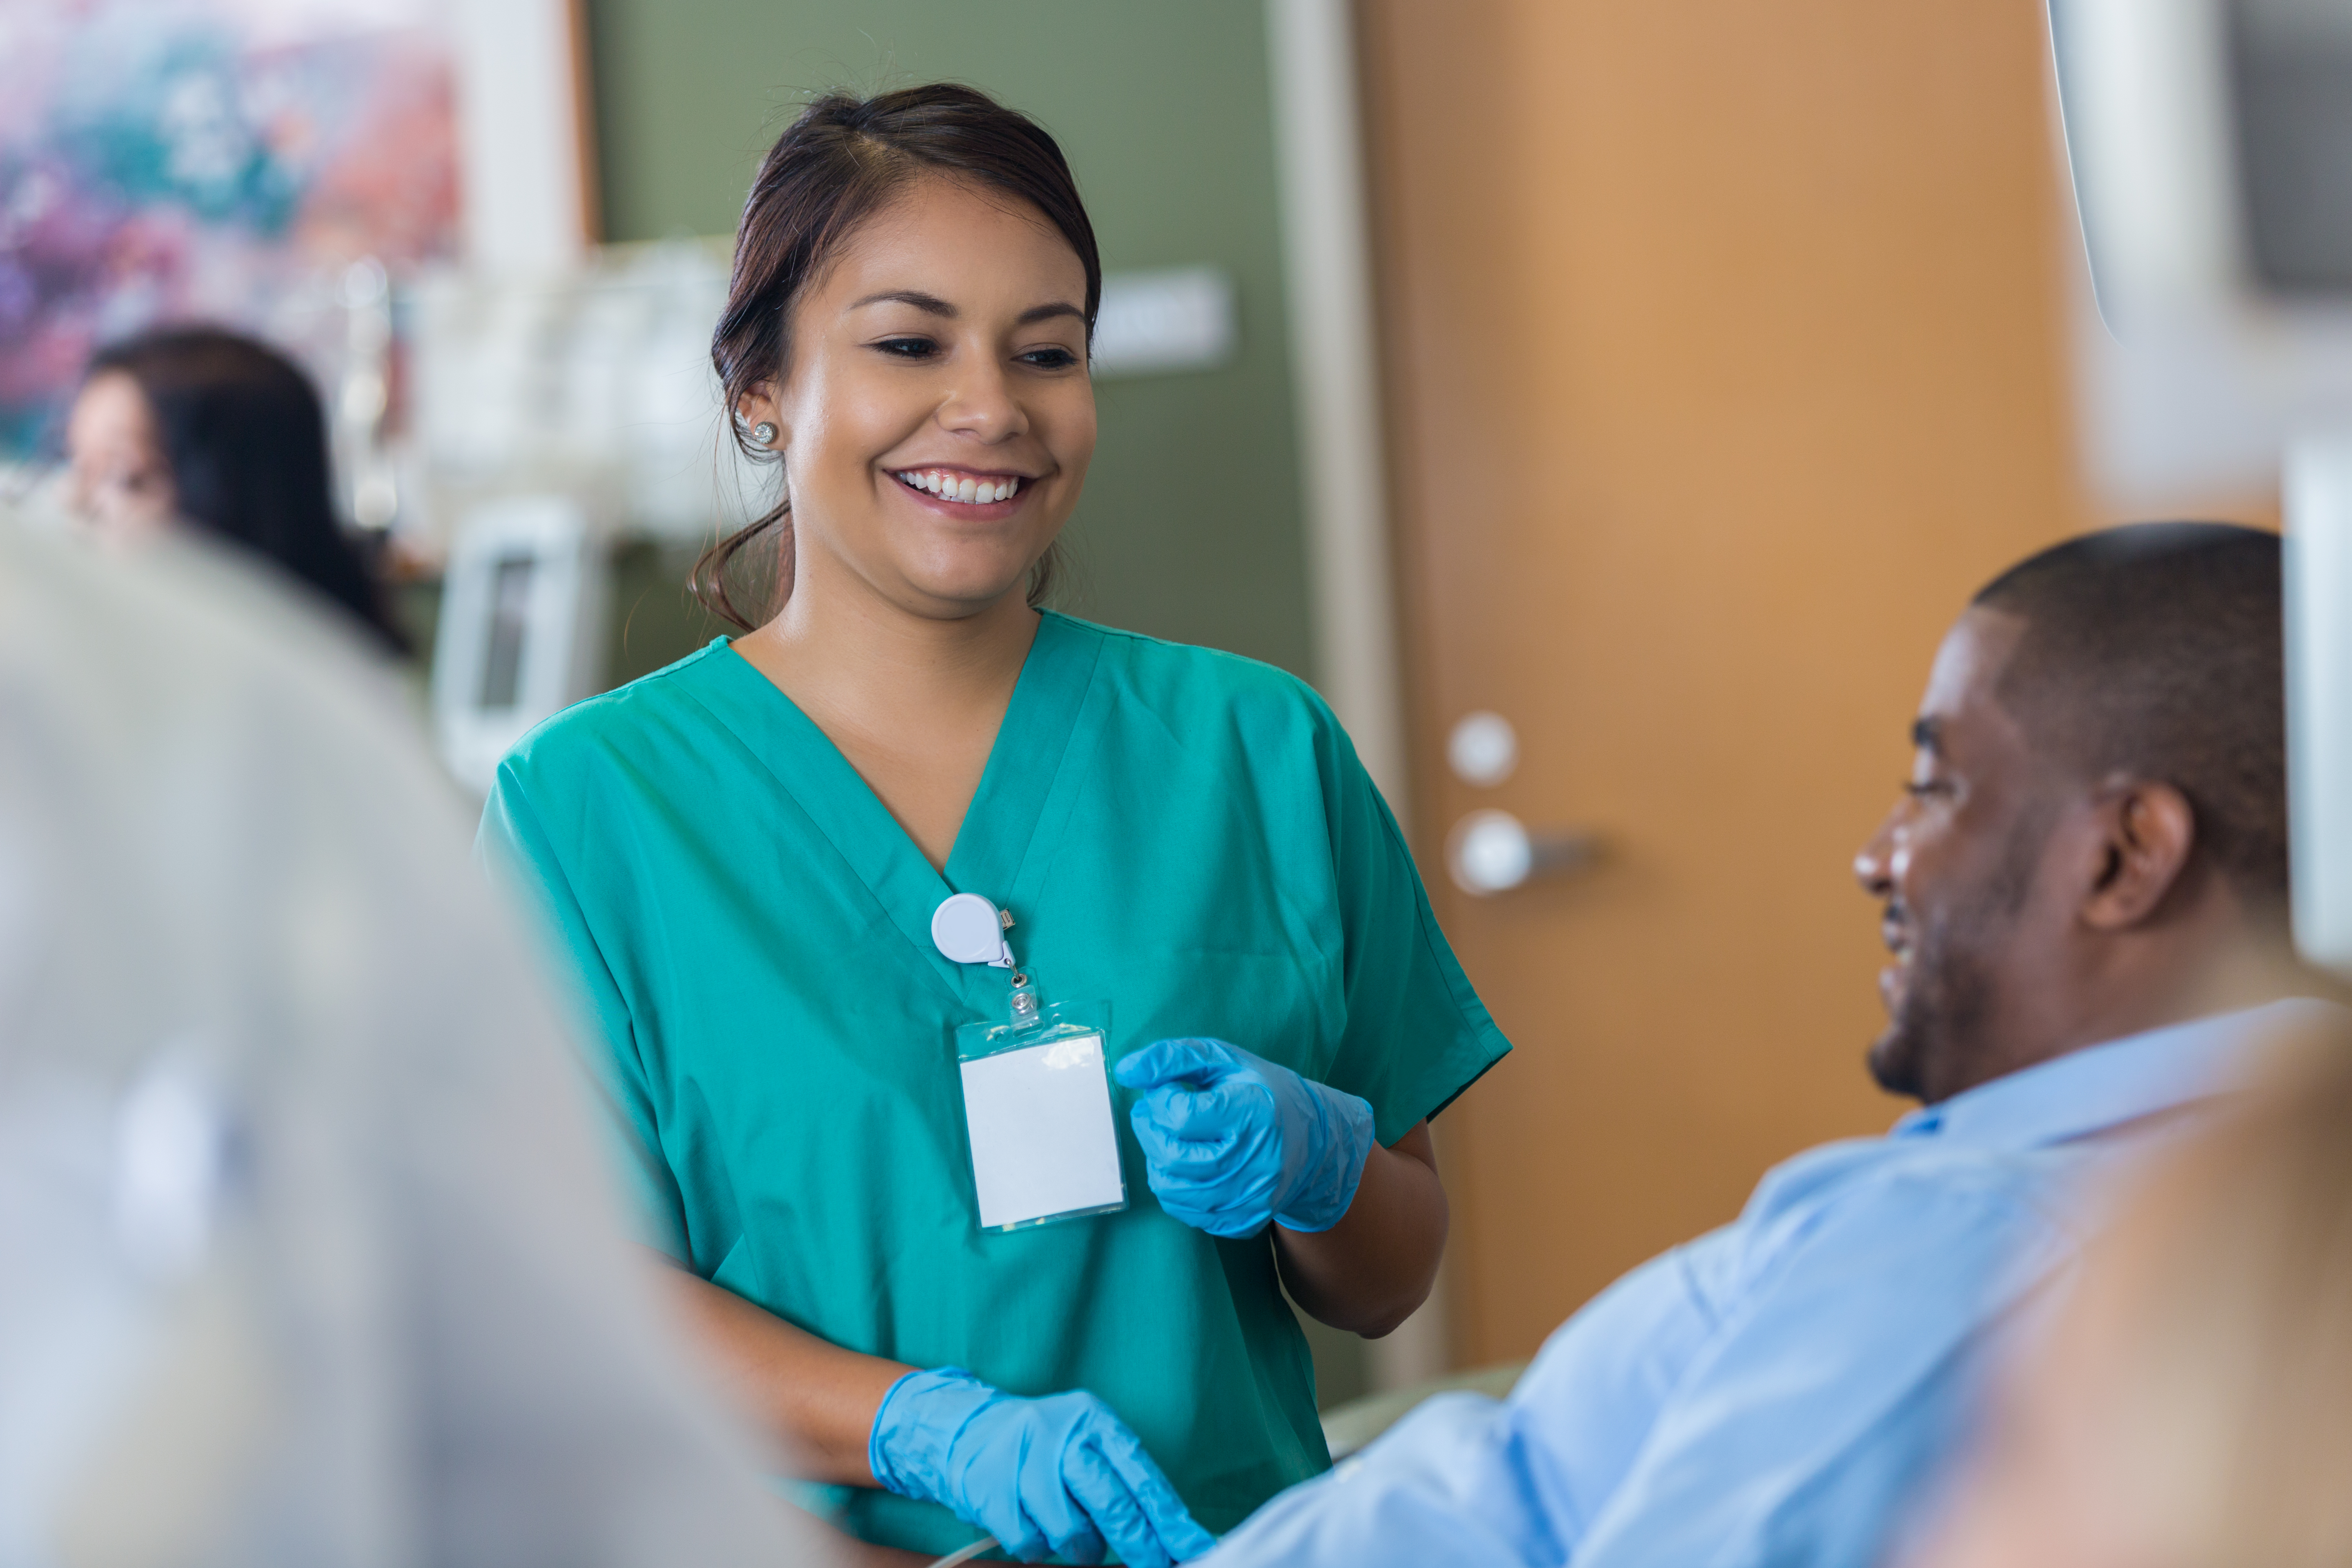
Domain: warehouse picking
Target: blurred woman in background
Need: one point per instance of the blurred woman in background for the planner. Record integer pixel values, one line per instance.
(203, 426)
(2192, 1406)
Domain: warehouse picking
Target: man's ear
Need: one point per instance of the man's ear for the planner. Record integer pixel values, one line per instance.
(2151, 830)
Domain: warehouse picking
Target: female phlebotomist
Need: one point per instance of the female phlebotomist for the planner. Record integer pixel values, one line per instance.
(745, 856)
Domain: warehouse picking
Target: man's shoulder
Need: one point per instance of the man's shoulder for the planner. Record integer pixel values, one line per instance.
(1905, 1191)
(1900, 1165)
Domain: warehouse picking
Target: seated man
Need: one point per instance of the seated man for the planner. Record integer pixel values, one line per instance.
(2090, 850)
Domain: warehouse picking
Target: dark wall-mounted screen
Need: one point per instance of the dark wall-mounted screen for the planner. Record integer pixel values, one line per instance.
(2291, 76)
(509, 623)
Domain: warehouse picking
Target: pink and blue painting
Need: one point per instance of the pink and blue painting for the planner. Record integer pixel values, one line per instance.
(218, 159)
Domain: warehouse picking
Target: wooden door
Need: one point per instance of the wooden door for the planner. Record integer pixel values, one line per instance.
(1724, 359)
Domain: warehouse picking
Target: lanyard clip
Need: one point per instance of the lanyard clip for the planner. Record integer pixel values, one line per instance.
(1025, 1000)
(967, 928)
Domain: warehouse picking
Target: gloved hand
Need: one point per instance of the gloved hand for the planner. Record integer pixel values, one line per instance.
(1060, 1474)
(1231, 1141)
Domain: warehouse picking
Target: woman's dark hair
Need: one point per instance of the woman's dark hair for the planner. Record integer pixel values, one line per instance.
(837, 165)
(245, 439)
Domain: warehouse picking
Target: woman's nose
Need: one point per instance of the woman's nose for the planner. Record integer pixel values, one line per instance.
(982, 406)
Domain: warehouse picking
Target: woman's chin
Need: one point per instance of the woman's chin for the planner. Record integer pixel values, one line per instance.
(970, 579)
(957, 596)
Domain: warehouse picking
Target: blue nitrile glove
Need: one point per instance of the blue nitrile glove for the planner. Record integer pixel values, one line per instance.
(1060, 1474)
(1231, 1141)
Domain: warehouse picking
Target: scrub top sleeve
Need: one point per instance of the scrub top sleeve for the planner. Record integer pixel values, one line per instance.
(514, 850)
(1416, 1034)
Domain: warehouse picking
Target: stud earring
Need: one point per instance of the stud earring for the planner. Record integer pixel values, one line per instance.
(764, 432)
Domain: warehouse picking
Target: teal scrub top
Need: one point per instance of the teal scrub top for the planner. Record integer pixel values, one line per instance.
(1184, 833)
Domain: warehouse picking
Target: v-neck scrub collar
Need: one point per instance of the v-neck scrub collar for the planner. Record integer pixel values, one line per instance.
(1034, 769)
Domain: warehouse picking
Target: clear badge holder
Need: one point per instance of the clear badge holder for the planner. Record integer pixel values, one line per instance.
(1037, 1113)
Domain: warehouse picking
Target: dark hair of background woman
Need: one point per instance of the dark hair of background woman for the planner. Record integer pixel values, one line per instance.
(245, 438)
(838, 164)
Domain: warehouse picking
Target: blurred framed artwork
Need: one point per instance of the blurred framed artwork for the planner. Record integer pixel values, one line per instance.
(234, 161)
(229, 159)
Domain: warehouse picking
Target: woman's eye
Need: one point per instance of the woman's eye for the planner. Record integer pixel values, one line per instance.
(1927, 789)
(908, 348)
(1050, 359)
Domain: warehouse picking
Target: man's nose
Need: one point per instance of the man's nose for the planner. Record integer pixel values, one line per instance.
(1873, 865)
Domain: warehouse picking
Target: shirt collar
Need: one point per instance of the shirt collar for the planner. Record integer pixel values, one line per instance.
(2104, 1086)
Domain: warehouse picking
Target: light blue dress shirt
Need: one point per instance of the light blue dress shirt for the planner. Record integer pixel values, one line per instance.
(1778, 1391)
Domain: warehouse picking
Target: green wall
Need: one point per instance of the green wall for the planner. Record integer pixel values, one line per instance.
(1189, 526)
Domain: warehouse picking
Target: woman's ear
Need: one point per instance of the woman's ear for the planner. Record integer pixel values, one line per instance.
(758, 407)
(2150, 831)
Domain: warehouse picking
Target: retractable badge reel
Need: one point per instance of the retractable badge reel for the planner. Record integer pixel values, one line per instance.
(1036, 1095)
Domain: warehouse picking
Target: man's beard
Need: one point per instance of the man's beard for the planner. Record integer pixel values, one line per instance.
(1940, 1013)
(1938, 1041)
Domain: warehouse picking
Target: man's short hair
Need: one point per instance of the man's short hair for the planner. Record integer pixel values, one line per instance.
(2156, 650)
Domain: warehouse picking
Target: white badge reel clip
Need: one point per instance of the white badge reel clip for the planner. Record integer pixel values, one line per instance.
(1036, 1095)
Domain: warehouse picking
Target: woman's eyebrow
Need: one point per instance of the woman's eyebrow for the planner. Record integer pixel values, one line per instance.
(929, 304)
(932, 305)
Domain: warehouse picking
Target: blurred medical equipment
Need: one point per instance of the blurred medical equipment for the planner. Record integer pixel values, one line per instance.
(2211, 148)
(559, 416)
(305, 1255)
(363, 398)
(594, 383)
(521, 634)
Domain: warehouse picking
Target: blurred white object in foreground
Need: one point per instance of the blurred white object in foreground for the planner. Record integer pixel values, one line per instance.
(304, 1254)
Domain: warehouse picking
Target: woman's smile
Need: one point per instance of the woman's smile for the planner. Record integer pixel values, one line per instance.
(967, 495)
(941, 354)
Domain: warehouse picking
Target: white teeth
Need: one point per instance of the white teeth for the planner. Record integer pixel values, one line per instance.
(952, 487)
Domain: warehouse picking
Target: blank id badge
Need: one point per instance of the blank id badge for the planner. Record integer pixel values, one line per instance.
(1036, 1108)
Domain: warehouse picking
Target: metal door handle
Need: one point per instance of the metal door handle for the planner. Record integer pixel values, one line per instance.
(1491, 852)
